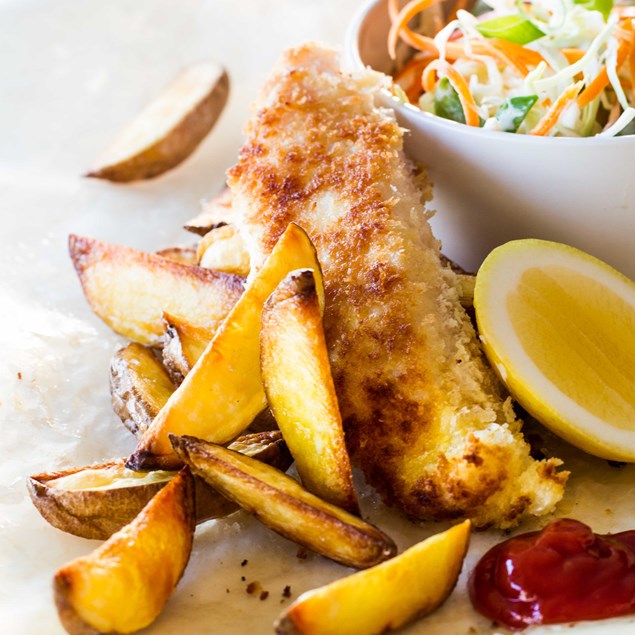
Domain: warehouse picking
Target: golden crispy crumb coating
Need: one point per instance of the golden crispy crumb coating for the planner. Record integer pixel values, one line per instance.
(424, 415)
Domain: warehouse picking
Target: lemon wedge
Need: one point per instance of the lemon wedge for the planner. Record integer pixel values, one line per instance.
(558, 326)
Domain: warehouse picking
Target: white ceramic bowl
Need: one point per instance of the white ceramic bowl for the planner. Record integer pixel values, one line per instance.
(491, 187)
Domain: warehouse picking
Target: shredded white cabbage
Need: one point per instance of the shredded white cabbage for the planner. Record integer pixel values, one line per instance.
(577, 43)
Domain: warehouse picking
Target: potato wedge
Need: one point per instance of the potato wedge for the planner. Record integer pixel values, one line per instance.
(216, 212)
(411, 585)
(285, 506)
(168, 130)
(139, 386)
(95, 501)
(122, 586)
(297, 377)
(185, 254)
(184, 343)
(223, 249)
(223, 393)
(130, 289)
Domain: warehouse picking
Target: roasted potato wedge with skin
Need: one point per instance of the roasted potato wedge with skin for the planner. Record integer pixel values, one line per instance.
(122, 586)
(411, 585)
(95, 501)
(139, 386)
(297, 377)
(168, 130)
(223, 393)
(223, 249)
(130, 289)
(216, 212)
(184, 343)
(285, 506)
(186, 255)
(81, 501)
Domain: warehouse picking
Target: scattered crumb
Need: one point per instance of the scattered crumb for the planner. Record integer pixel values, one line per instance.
(19, 375)
(286, 592)
(302, 554)
(244, 563)
(252, 587)
(264, 595)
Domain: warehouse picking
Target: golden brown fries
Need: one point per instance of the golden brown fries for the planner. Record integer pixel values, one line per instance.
(139, 386)
(216, 212)
(299, 387)
(385, 597)
(223, 249)
(130, 289)
(184, 343)
(122, 586)
(95, 501)
(168, 130)
(285, 506)
(223, 393)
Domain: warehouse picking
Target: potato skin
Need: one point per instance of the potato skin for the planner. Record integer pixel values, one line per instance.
(282, 504)
(99, 513)
(95, 514)
(139, 386)
(177, 144)
(184, 343)
(122, 586)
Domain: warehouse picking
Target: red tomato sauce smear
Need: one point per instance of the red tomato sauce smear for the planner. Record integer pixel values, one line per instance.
(564, 573)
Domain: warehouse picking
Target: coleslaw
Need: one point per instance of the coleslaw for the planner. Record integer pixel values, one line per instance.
(538, 67)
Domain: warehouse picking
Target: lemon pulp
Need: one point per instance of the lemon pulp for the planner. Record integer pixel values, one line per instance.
(582, 336)
(559, 327)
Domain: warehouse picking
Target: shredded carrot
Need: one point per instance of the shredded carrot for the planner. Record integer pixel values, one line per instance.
(419, 42)
(408, 76)
(551, 117)
(459, 84)
(601, 80)
(573, 55)
(429, 77)
(524, 55)
(631, 62)
(404, 16)
(499, 50)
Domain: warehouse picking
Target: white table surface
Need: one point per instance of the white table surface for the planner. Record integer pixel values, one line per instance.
(72, 74)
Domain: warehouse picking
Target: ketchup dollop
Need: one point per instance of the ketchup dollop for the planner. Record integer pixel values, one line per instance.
(564, 573)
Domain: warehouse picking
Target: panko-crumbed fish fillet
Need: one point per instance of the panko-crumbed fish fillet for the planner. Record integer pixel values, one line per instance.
(424, 415)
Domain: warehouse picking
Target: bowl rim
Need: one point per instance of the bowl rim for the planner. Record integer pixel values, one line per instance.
(428, 119)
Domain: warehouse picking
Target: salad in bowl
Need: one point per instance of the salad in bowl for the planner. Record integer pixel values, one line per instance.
(561, 68)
